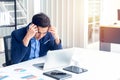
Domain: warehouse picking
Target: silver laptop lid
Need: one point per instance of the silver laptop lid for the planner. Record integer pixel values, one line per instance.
(58, 58)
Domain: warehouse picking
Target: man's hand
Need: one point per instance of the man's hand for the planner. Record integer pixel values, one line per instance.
(30, 34)
(54, 33)
(32, 31)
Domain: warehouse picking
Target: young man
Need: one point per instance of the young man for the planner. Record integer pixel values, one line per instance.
(34, 40)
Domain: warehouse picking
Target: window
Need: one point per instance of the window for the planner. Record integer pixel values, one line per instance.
(93, 20)
(7, 15)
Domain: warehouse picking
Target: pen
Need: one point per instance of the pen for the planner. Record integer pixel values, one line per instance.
(58, 73)
(46, 41)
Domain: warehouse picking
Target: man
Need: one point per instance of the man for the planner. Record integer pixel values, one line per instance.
(34, 40)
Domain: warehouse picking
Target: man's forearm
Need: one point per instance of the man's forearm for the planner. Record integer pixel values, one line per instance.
(26, 41)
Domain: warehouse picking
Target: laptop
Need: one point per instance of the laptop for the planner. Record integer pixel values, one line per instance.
(56, 59)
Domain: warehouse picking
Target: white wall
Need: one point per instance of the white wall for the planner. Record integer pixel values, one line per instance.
(69, 17)
(109, 11)
(30, 10)
(1, 45)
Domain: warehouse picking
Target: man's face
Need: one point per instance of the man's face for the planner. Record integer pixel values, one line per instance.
(41, 32)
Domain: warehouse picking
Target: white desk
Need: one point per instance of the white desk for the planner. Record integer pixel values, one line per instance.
(101, 66)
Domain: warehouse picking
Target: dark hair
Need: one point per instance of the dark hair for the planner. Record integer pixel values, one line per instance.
(41, 20)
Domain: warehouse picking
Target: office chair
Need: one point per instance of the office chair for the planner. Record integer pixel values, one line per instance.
(7, 47)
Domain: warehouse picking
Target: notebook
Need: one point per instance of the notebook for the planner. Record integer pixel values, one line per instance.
(59, 75)
(56, 59)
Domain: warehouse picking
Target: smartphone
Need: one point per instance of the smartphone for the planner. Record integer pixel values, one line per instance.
(75, 69)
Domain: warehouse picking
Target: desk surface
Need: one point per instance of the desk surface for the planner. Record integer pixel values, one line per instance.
(101, 66)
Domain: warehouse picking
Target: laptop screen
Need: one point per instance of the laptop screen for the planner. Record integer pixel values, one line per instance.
(58, 58)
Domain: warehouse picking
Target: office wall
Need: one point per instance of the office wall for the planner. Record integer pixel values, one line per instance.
(109, 11)
(30, 10)
(68, 16)
(1, 45)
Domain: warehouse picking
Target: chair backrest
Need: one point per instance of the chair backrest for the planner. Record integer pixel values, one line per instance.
(7, 47)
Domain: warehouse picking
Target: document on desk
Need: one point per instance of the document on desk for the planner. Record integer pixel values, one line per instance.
(4, 76)
(19, 74)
